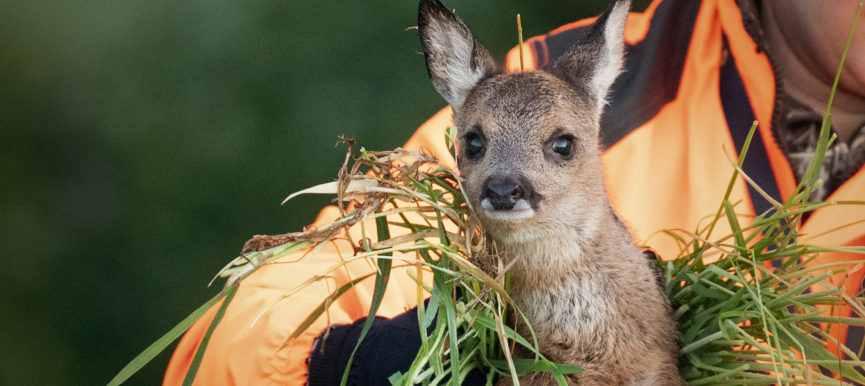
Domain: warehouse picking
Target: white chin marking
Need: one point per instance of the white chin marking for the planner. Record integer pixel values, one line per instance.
(521, 211)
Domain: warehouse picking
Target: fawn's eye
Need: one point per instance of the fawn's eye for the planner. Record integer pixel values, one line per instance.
(563, 146)
(474, 146)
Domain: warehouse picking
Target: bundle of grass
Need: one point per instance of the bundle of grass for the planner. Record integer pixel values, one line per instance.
(754, 314)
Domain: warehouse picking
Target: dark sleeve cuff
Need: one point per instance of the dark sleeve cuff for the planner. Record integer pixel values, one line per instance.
(325, 364)
(390, 346)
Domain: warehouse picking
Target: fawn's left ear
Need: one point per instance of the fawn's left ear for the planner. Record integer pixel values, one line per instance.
(456, 61)
(595, 62)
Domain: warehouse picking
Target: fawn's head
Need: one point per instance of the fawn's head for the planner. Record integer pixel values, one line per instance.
(528, 142)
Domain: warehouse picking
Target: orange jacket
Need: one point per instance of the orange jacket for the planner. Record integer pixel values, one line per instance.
(694, 82)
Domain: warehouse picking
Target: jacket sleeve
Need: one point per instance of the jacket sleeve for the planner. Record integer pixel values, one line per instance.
(250, 345)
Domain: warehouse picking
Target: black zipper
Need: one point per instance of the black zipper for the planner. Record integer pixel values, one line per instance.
(755, 31)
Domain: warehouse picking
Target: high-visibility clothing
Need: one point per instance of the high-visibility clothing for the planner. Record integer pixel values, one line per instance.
(694, 80)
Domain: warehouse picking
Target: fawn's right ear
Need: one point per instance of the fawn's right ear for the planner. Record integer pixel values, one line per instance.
(455, 60)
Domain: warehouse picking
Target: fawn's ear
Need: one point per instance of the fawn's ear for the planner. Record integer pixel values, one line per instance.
(455, 60)
(596, 61)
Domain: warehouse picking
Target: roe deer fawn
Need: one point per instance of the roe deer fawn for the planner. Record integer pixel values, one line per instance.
(529, 156)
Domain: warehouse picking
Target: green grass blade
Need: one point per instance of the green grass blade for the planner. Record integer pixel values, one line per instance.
(810, 178)
(734, 178)
(202, 347)
(815, 350)
(381, 280)
(523, 365)
(157, 347)
(313, 316)
(450, 314)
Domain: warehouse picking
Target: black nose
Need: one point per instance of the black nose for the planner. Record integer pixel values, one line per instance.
(504, 191)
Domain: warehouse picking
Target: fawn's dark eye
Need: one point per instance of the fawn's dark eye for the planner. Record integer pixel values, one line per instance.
(474, 146)
(563, 146)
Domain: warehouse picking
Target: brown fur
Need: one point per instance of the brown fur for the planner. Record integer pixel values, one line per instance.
(592, 298)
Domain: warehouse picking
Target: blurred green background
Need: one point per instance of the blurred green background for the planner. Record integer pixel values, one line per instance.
(142, 142)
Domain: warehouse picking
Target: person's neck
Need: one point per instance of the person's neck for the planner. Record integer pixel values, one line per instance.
(805, 82)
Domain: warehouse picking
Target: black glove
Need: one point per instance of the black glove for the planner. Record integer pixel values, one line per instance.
(390, 346)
